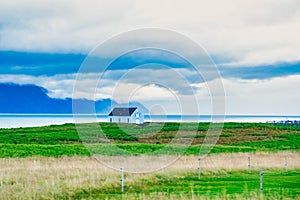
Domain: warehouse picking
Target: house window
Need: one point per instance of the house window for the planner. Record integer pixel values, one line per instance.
(127, 120)
(119, 120)
(110, 119)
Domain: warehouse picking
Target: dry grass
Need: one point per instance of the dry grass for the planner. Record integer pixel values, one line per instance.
(235, 161)
(27, 178)
(45, 178)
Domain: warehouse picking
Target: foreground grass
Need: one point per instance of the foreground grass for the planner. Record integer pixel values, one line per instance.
(74, 175)
(219, 184)
(85, 178)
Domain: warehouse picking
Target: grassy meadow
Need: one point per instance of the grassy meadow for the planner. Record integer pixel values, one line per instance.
(54, 162)
(60, 140)
(84, 178)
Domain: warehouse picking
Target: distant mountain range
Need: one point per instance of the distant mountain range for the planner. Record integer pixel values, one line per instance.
(32, 99)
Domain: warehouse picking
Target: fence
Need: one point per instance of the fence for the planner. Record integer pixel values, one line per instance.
(252, 162)
(285, 122)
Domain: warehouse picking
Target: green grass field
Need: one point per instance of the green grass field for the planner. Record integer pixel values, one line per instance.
(52, 162)
(224, 184)
(59, 140)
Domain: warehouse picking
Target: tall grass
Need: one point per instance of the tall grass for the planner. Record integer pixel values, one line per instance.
(85, 178)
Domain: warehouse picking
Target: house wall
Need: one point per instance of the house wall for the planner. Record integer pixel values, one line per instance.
(120, 119)
(128, 119)
(138, 120)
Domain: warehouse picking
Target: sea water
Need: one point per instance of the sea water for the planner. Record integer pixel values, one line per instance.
(32, 120)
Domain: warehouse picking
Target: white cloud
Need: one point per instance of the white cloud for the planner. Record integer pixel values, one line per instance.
(276, 96)
(244, 33)
(118, 84)
(248, 32)
(58, 86)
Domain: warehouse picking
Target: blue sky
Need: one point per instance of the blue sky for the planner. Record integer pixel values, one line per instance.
(254, 44)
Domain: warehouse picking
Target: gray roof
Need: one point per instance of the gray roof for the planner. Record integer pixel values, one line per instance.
(122, 111)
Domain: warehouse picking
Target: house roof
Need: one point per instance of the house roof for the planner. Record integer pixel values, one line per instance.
(122, 111)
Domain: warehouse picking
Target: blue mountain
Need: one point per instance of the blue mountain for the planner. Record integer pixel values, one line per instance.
(32, 99)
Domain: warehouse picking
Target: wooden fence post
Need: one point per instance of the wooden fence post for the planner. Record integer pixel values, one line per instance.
(199, 168)
(261, 181)
(122, 179)
(249, 163)
(286, 164)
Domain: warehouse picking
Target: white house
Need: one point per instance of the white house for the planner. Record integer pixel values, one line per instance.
(126, 115)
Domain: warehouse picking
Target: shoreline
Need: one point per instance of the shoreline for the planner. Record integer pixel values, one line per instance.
(38, 120)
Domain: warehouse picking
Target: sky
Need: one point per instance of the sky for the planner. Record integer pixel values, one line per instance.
(254, 44)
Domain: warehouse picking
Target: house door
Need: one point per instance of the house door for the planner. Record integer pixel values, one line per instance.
(137, 118)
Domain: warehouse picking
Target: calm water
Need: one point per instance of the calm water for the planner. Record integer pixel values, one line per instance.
(24, 120)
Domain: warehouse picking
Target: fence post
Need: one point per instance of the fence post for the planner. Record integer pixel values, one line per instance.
(122, 179)
(261, 181)
(199, 168)
(249, 163)
(286, 164)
